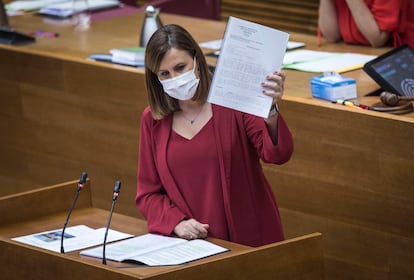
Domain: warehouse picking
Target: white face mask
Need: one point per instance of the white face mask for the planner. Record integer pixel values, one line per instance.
(182, 87)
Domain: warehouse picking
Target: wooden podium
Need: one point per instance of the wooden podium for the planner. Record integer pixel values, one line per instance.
(46, 209)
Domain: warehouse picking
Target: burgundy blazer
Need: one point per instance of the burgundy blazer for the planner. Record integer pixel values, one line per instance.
(250, 207)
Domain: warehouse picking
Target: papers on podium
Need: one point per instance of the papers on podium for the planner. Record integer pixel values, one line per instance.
(76, 238)
(249, 53)
(156, 250)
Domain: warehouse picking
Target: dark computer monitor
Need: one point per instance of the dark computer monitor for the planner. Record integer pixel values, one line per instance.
(394, 71)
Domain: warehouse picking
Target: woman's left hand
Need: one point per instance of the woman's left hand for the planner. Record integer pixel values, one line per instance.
(274, 86)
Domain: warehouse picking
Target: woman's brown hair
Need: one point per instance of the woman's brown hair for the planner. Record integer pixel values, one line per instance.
(165, 38)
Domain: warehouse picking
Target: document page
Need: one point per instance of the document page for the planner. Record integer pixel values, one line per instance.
(180, 254)
(249, 53)
(156, 250)
(318, 61)
(76, 237)
(68, 8)
(30, 5)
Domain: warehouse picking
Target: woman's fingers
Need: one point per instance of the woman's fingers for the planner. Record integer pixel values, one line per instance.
(274, 86)
(191, 229)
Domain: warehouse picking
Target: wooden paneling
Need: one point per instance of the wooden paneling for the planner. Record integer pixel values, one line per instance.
(31, 204)
(297, 259)
(291, 16)
(66, 118)
(350, 176)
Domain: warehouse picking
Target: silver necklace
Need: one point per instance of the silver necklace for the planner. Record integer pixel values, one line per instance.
(195, 117)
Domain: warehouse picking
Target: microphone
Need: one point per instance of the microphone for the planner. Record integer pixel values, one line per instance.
(81, 183)
(117, 187)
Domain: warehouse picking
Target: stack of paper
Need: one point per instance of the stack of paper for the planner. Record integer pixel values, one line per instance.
(155, 250)
(216, 44)
(134, 56)
(318, 61)
(67, 9)
(30, 5)
(76, 237)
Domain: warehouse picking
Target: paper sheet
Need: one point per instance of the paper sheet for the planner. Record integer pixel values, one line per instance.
(76, 237)
(249, 53)
(67, 9)
(216, 45)
(29, 5)
(153, 249)
(318, 61)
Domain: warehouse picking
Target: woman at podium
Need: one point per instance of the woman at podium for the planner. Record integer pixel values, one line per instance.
(199, 166)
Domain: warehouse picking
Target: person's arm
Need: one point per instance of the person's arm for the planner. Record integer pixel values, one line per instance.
(328, 21)
(271, 136)
(259, 133)
(366, 23)
(274, 87)
(152, 200)
(271, 123)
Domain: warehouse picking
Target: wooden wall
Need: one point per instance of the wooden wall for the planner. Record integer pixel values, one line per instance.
(67, 117)
(291, 16)
(351, 183)
(352, 180)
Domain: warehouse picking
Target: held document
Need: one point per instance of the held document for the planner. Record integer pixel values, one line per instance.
(249, 53)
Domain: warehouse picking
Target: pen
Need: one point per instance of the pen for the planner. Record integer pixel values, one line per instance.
(350, 104)
(365, 107)
(44, 34)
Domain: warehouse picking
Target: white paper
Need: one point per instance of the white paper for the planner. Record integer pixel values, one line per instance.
(28, 5)
(299, 56)
(76, 238)
(154, 250)
(215, 44)
(249, 53)
(183, 253)
(66, 9)
(294, 45)
(318, 61)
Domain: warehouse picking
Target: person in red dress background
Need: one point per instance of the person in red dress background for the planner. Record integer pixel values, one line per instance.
(199, 165)
(368, 22)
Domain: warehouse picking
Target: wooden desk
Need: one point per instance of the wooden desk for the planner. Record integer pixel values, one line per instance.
(350, 177)
(298, 258)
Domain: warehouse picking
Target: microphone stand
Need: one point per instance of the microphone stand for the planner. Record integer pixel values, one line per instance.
(114, 198)
(81, 183)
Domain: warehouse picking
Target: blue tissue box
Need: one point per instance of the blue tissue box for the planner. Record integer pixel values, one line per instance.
(333, 87)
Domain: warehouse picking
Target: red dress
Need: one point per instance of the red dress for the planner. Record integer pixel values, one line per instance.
(394, 16)
(194, 165)
(226, 170)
